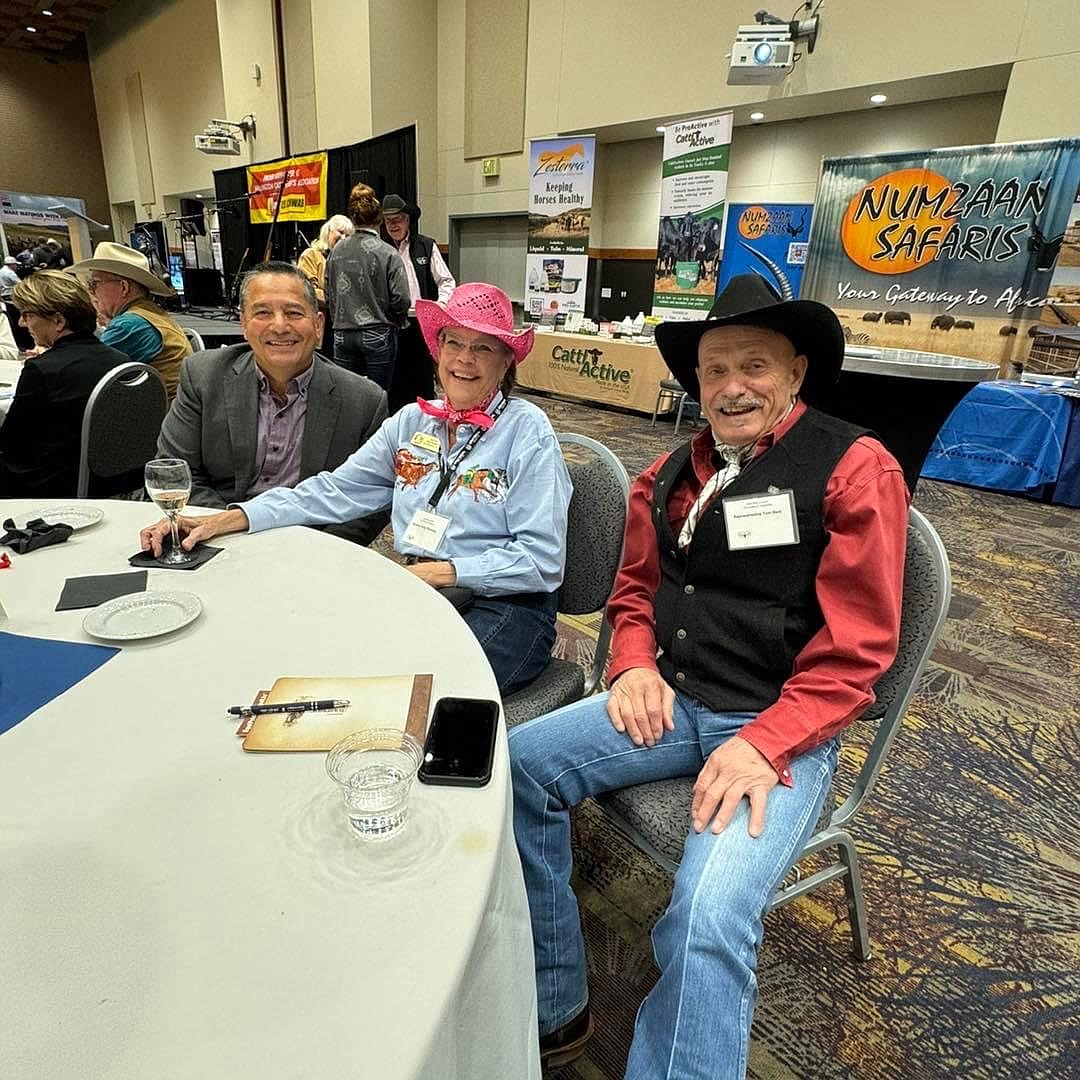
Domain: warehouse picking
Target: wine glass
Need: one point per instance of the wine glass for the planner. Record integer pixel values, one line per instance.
(168, 483)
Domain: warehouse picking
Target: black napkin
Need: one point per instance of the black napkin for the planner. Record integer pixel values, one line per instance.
(200, 554)
(35, 534)
(83, 592)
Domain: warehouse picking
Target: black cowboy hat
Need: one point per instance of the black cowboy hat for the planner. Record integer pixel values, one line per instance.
(395, 204)
(749, 300)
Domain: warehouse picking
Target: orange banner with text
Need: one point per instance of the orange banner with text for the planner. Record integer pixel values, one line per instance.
(303, 196)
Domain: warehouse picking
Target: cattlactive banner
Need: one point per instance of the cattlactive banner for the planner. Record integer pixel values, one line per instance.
(560, 215)
(767, 239)
(969, 251)
(692, 194)
(302, 199)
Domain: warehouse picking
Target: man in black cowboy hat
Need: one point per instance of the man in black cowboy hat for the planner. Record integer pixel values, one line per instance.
(429, 279)
(757, 604)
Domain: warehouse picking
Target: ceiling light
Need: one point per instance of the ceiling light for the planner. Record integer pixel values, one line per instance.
(660, 128)
(46, 11)
(878, 99)
(31, 29)
(757, 117)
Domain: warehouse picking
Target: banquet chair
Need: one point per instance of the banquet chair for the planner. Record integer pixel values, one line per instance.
(670, 390)
(120, 429)
(195, 338)
(594, 535)
(656, 816)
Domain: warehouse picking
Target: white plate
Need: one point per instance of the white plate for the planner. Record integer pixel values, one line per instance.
(78, 517)
(142, 615)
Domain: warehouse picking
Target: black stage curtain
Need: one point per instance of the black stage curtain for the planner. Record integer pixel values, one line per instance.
(387, 163)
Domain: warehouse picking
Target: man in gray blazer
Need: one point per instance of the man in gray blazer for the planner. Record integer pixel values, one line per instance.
(271, 412)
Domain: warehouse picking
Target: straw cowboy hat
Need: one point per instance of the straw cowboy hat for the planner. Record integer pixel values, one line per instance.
(749, 300)
(475, 306)
(124, 262)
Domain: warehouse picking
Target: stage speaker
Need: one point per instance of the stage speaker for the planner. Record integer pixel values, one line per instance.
(202, 287)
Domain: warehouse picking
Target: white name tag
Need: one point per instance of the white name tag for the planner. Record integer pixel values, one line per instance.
(757, 521)
(426, 530)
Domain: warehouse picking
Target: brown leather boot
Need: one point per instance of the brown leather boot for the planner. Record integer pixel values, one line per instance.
(564, 1044)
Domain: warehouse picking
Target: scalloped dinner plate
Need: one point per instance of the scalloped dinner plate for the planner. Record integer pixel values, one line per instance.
(142, 615)
(78, 517)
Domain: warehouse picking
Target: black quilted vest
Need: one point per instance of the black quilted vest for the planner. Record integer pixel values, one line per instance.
(729, 624)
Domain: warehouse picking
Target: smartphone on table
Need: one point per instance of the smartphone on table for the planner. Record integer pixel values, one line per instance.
(460, 745)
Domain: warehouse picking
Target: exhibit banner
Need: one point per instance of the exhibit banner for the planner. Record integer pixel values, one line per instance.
(560, 215)
(692, 194)
(303, 196)
(767, 239)
(963, 251)
(19, 208)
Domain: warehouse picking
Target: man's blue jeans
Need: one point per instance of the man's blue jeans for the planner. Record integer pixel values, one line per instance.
(369, 351)
(696, 1020)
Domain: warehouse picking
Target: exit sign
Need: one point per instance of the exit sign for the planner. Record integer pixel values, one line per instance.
(491, 166)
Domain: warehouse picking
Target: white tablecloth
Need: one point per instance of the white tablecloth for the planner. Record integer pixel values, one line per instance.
(10, 370)
(171, 907)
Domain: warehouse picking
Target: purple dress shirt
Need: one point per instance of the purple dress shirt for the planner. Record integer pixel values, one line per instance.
(280, 434)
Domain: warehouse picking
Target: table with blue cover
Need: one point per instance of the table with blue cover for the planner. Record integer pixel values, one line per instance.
(1009, 436)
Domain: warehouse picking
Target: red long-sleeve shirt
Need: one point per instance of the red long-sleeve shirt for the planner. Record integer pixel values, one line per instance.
(859, 585)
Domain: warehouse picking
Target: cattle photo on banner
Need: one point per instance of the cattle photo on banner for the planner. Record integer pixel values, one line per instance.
(299, 183)
(767, 239)
(692, 194)
(560, 215)
(963, 251)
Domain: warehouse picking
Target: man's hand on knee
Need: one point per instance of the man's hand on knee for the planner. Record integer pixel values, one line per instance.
(731, 772)
(641, 704)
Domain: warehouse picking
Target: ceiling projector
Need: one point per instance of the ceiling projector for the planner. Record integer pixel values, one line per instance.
(217, 143)
(761, 54)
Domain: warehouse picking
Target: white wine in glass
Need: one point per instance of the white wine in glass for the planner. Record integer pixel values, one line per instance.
(168, 483)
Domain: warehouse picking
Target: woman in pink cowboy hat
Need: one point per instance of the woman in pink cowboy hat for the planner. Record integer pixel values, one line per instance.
(476, 483)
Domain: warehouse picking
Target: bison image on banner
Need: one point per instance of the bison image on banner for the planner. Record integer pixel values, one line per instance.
(951, 251)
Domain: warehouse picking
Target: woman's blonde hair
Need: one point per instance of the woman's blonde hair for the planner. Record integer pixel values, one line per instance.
(52, 292)
(364, 208)
(338, 223)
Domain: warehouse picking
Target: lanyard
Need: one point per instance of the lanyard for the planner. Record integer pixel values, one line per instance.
(459, 457)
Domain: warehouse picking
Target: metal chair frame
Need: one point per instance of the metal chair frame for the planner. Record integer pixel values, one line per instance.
(835, 834)
(670, 388)
(195, 338)
(132, 375)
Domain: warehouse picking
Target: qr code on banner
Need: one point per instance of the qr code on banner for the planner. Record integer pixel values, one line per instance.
(796, 254)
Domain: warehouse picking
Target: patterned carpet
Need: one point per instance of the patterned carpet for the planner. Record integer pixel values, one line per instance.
(970, 844)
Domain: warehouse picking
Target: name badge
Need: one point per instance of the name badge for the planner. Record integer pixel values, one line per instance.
(759, 521)
(426, 442)
(426, 530)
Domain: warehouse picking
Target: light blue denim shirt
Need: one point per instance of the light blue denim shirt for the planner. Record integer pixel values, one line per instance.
(507, 501)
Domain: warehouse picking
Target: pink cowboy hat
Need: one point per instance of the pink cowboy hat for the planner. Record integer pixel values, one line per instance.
(475, 306)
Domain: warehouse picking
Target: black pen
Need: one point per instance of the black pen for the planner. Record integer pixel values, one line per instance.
(288, 706)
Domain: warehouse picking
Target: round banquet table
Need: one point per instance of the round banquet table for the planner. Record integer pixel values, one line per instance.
(172, 906)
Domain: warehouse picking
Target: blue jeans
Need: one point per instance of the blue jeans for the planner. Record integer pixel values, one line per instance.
(369, 351)
(516, 634)
(696, 1021)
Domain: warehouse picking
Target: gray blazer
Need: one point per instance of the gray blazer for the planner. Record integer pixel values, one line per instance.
(213, 422)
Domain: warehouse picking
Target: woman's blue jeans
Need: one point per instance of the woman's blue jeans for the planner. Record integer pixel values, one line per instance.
(696, 1021)
(369, 351)
(516, 634)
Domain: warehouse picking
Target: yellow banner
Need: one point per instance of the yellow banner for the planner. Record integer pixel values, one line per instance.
(303, 196)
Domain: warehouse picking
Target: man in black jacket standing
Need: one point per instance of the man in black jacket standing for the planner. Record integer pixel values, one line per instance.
(429, 279)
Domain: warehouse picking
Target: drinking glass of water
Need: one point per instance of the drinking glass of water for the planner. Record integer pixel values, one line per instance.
(374, 771)
(168, 483)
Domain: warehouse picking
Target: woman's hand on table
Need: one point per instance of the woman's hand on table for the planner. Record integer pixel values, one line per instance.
(193, 530)
(437, 574)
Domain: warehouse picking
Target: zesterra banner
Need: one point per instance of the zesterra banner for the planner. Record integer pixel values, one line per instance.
(969, 251)
(692, 194)
(560, 214)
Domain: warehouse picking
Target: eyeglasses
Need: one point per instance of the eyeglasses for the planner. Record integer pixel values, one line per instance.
(478, 350)
(92, 284)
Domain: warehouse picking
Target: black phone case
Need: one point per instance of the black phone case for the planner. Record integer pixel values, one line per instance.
(446, 779)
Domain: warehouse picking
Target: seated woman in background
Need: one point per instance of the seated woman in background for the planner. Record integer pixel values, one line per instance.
(476, 483)
(312, 264)
(40, 439)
